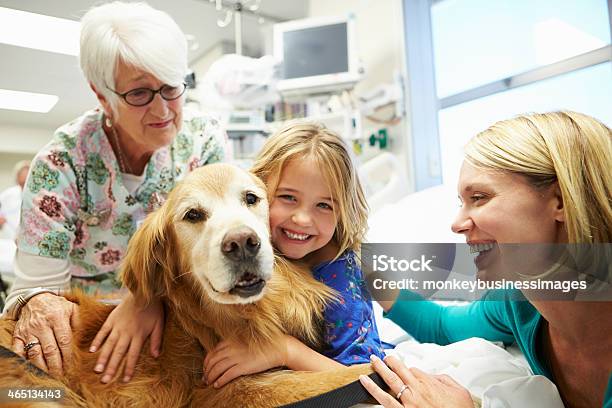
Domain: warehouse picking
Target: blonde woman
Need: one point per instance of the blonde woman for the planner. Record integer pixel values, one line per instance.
(318, 216)
(541, 178)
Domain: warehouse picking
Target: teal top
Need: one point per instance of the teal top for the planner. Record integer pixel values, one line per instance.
(498, 317)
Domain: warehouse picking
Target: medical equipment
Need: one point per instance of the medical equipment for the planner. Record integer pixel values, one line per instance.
(247, 131)
(318, 55)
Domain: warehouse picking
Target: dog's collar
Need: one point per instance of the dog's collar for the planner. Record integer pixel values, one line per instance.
(345, 396)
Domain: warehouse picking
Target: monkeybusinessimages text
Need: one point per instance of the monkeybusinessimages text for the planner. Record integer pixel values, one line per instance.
(384, 263)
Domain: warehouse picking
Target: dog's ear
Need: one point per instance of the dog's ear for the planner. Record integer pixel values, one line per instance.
(146, 269)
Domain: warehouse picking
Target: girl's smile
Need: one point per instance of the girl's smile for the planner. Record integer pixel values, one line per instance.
(302, 216)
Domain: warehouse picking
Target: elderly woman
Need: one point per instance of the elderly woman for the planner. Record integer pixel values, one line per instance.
(92, 185)
(542, 178)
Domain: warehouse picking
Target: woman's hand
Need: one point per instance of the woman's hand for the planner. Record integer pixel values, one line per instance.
(230, 360)
(46, 319)
(418, 389)
(125, 330)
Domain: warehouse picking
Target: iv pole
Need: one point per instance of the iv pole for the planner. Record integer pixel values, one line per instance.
(236, 9)
(238, 27)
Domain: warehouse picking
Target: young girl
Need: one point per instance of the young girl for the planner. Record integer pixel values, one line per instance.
(318, 215)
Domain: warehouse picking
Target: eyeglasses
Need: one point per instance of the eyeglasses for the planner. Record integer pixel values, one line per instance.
(144, 96)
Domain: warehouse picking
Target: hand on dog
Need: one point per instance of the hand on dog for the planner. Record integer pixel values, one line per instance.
(48, 319)
(422, 389)
(230, 360)
(120, 335)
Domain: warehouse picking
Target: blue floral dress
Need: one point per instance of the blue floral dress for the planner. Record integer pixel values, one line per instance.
(350, 333)
(76, 207)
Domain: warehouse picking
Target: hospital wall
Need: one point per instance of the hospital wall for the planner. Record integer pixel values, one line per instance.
(19, 143)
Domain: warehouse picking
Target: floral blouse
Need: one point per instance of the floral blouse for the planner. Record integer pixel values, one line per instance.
(75, 205)
(350, 333)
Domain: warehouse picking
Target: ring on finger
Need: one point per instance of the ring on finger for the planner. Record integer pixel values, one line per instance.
(401, 391)
(30, 345)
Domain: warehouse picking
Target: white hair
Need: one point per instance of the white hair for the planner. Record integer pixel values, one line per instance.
(136, 34)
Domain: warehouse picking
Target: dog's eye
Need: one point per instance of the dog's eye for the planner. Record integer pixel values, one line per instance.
(195, 215)
(251, 198)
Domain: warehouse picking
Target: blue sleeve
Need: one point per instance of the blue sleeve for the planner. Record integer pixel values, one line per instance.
(429, 322)
(350, 333)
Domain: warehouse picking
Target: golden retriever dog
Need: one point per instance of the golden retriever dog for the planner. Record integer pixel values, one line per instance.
(207, 254)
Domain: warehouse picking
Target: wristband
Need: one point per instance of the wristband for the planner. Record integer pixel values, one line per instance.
(13, 312)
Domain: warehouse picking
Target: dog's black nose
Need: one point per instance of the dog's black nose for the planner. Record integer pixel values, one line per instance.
(240, 243)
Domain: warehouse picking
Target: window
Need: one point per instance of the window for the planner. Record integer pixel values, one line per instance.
(496, 59)
(480, 41)
(588, 90)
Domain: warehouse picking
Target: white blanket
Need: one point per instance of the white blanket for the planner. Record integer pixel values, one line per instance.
(492, 374)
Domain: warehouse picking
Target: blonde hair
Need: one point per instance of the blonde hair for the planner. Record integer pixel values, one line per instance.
(304, 139)
(569, 148)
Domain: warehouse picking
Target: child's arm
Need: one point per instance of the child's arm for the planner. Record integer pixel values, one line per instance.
(230, 360)
(119, 337)
(300, 357)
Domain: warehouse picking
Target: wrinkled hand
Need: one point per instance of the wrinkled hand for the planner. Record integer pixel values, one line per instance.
(47, 319)
(125, 330)
(230, 360)
(424, 390)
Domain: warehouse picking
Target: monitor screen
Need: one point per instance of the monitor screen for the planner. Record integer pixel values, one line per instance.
(315, 51)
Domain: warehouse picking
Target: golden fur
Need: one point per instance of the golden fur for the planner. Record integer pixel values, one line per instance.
(164, 261)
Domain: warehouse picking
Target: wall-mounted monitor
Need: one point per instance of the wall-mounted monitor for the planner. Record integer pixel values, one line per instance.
(317, 54)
